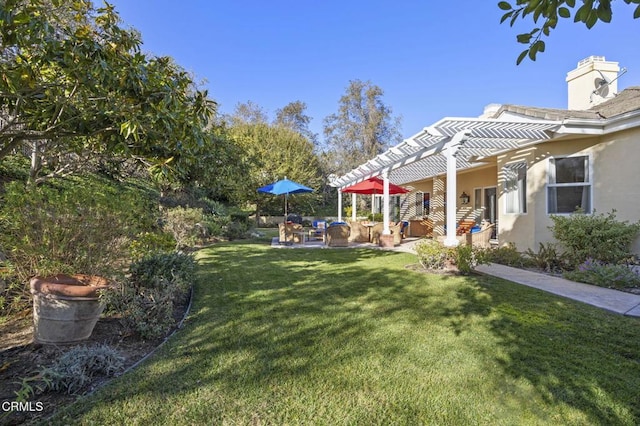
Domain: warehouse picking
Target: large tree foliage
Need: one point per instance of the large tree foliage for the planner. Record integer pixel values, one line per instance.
(269, 153)
(362, 128)
(74, 84)
(549, 12)
(294, 116)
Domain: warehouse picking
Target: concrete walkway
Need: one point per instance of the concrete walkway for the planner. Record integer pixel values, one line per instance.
(605, 298)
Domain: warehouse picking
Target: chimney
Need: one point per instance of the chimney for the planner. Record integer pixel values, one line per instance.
(592, 82)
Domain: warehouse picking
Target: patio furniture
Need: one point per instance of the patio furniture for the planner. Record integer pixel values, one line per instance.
(377, 229)
(465, 227)
(289, 233)
(359, 232)
(337, 235)
(318, 230)
(482, 237)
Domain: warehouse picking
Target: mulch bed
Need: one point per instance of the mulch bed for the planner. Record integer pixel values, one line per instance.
(21, 358)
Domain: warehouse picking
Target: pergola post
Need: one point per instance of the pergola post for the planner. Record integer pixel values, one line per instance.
(450, 154)
(339, 205)
(385, 200)
(353, 207)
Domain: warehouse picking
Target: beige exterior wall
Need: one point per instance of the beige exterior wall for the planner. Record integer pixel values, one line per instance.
(613, 161)
(467, 181)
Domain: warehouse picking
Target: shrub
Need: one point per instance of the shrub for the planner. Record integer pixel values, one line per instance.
(375, 217)
(600, 237)
(79, 226)
(604, 274)
(148, 243)
(156, 270)
(186, 225)
(146, 301)
(433, 255)
(236, 230)
(548, 258)
(467, 257)
(506, 255)
(146, 311)
(75, 368)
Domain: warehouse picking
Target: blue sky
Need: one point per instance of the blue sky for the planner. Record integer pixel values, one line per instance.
(433, 59)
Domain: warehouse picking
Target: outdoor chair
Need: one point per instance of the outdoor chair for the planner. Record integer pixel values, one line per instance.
(318, 230)
(396, 231)
(482, 237)
(338, 235)
(359, 232)
(376, 231)
(290, 233)
(378, 228)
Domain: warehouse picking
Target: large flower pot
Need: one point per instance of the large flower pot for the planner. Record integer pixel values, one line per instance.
(66, 308)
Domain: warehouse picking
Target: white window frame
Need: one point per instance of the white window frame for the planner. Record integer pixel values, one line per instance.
(515, 196)
(551, 176)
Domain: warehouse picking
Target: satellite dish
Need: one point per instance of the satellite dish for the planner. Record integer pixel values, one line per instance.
(601, 85)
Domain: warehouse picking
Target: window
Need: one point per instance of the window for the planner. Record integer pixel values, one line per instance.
(422, 204)
(419, 200)
(515, 187)
(569, 187)
(477, 204)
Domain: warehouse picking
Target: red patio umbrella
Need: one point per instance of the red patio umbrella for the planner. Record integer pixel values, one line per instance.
(374, 185)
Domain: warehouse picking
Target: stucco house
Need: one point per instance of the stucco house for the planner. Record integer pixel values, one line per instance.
(515, 166)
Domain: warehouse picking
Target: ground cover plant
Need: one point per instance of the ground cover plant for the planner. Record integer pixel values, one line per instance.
(281, 336)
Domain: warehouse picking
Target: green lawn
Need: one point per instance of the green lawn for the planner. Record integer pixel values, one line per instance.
(330, 337)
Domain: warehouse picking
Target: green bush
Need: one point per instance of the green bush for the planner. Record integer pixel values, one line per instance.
(604, 274)
(376, 217)
(75, 368)
(548, 258)
(155, 270)
(75, 227)
(236, 230)
(596, 236)
(146, 300)
(146, 311)
(506, 255)
(186, 225)
(433, 255)
(466, 258)
(148, 243)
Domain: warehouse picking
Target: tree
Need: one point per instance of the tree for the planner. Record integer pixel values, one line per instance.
(248, 112)
(74, 85)
(362, 128)
(293, 116)
(550, 11)
(270, 153)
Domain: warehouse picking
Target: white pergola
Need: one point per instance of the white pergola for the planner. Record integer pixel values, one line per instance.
(449, 145)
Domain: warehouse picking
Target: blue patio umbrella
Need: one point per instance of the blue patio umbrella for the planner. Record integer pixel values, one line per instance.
(284, 187)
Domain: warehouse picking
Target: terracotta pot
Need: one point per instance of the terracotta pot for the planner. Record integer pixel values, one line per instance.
(66, 308)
